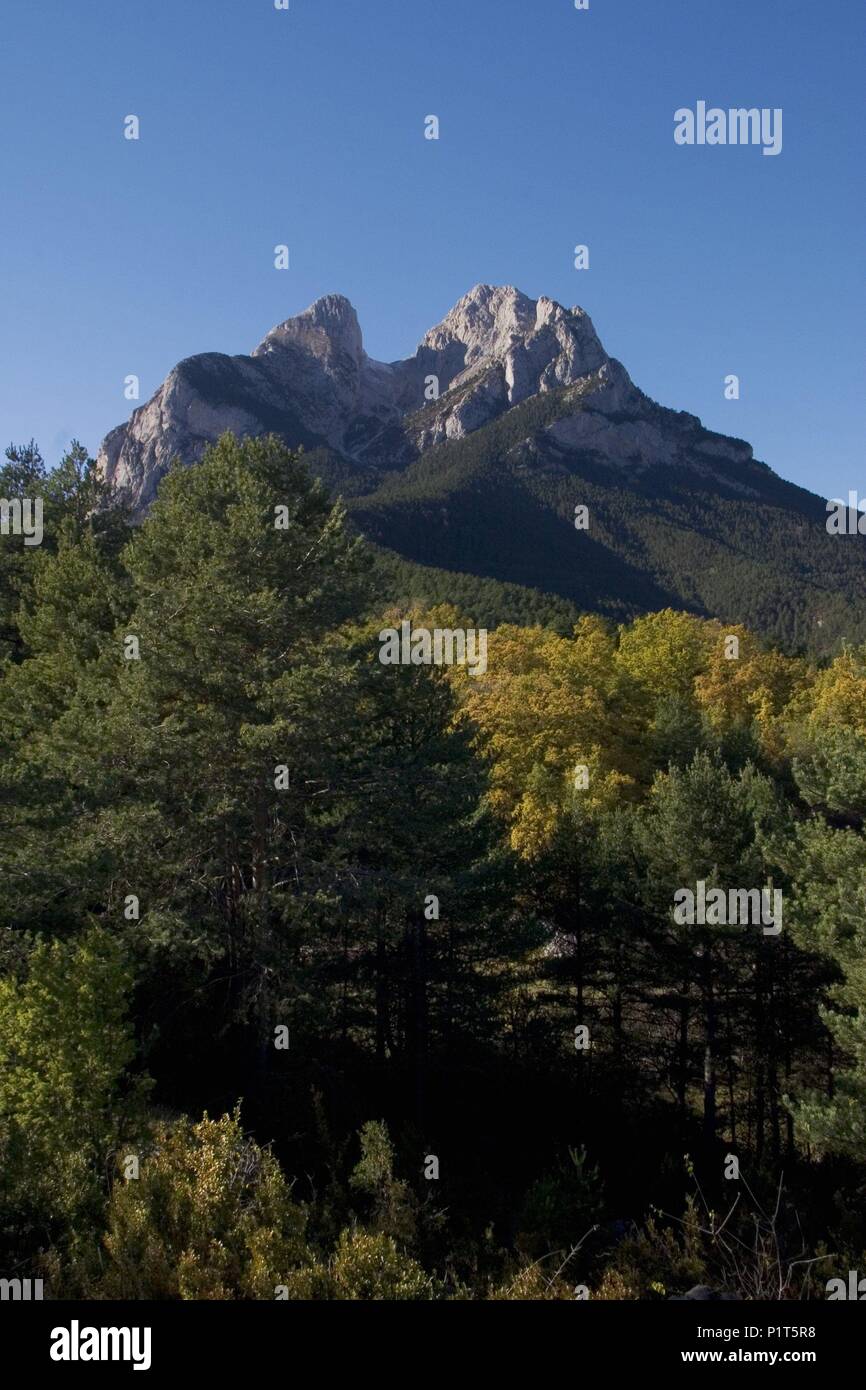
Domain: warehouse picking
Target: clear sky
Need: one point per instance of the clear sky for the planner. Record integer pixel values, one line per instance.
(306, 127)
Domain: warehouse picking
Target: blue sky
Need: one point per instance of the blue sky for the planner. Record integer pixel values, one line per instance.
(305, 127)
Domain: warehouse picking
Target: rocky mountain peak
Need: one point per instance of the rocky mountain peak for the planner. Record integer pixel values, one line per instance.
(491, 320)
(311, 382)
(537, 343)
(328, 328)
(486, 321)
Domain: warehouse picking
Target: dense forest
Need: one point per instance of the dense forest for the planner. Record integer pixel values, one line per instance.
(324, 978)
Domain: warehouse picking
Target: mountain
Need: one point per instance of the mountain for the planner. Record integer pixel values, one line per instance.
(311, 381)
(469, 458)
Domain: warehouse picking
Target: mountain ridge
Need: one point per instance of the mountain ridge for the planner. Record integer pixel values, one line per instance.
(311, 379)
(471, 455)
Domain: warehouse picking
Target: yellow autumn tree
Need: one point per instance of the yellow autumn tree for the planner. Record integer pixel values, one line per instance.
(547, 708)
(837, 696)
(746, 684)
(663, 653)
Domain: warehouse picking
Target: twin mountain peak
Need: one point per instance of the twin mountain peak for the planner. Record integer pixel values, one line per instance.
(469, 458)
(311, 381)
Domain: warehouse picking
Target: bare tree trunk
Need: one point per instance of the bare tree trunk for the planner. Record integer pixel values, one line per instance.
(416, 1011)
(381, 989)
(732, 1119)
(683, 1057)
(709, 1004)
(760, 1089)
(344, 993)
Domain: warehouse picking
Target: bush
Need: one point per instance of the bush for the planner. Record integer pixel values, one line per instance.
(561, 1208)
(66, 1098)
(369, 1266)
(531, 1284)
(210, 1217)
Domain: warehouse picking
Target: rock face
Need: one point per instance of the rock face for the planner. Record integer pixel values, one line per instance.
(702, 1293)
(311, 382)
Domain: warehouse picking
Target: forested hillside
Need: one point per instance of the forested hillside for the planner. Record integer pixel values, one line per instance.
(724, 539)
(325, 978)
